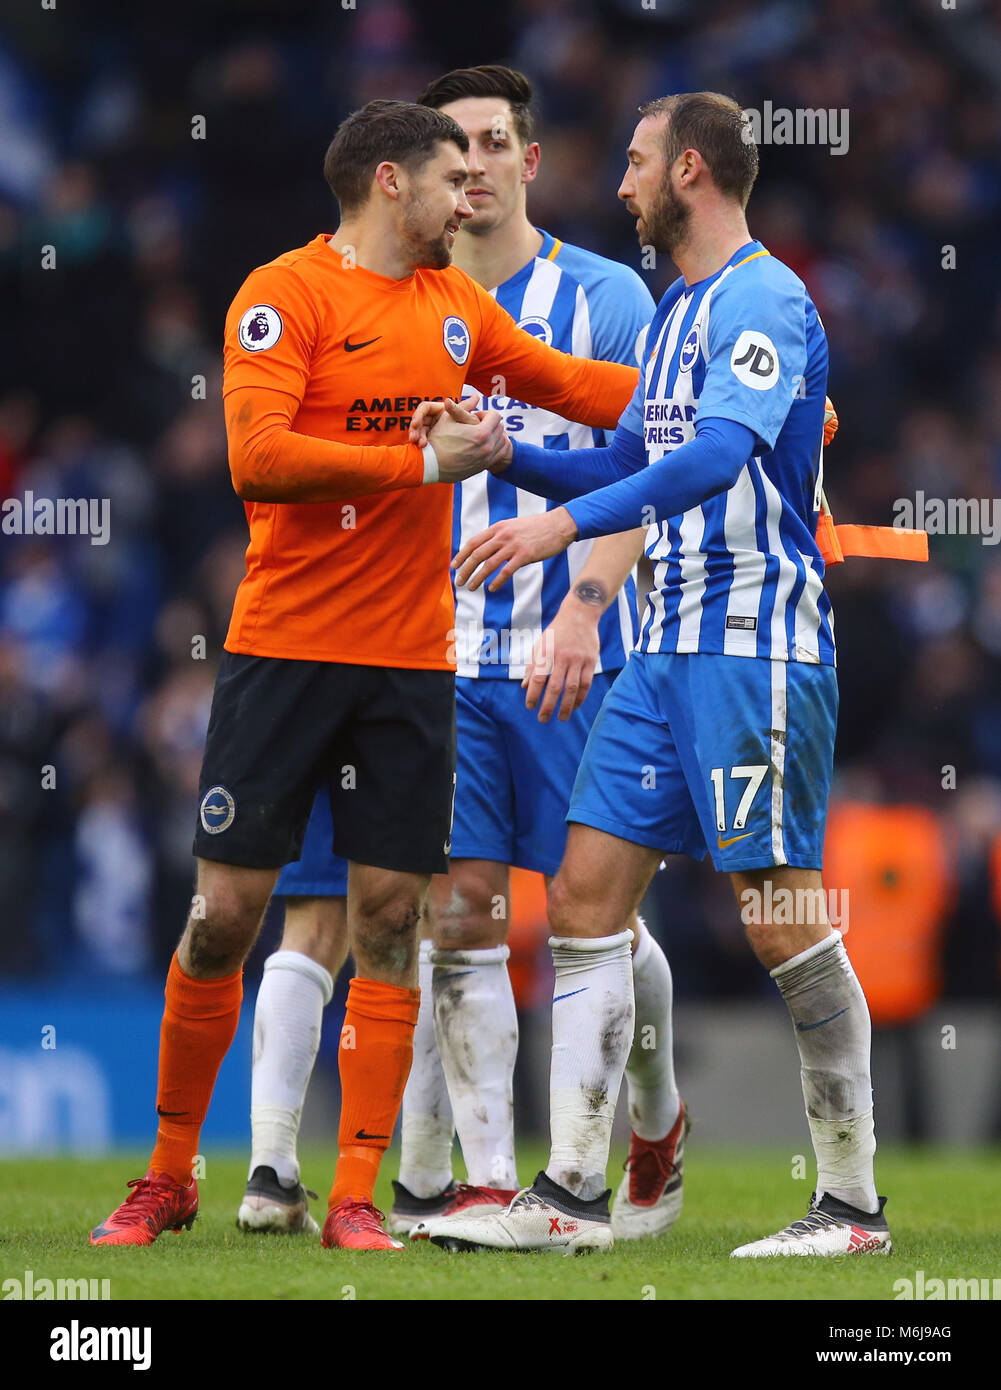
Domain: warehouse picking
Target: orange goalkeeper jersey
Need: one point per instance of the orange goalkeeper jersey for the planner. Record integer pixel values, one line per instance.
(366, 579)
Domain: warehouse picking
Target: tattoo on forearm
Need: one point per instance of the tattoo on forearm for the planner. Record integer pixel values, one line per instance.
(590, 591)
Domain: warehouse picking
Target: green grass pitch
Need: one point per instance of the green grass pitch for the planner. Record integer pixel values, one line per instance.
(944, 1214)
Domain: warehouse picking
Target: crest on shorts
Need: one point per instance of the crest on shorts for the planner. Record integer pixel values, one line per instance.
(217, 811)
(260, 328)
(455, 335)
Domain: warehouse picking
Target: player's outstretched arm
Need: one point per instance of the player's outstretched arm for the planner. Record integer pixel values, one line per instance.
(558, 474)
(565, 655)
(510, 545)
(562, 474)
(688, 476)
(508, 361)
(272, 462)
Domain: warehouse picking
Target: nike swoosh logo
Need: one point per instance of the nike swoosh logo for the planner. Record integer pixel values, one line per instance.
(170, 1114)
(725, 844)
(360, 1134)
(558, 997)
(349, 346)
(805, 1027)
(458, 974)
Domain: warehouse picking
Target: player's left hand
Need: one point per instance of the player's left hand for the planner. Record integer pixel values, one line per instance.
(563, 661)
(511, 545)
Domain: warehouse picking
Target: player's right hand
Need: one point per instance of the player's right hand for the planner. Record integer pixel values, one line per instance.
(423, 418)
(426, 415)
(467, 441)
(562, 663)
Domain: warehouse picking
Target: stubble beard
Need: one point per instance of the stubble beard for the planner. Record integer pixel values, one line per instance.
(669, 223)
(432, 253)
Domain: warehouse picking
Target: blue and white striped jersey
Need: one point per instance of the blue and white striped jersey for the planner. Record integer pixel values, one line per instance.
(741, 574)
(581, 303)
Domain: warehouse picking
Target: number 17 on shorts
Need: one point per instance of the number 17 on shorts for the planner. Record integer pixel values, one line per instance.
(697, 752)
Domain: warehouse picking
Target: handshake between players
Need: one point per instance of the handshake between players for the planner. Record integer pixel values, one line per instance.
(466, 441)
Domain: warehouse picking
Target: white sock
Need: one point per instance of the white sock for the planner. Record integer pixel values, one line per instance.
(593, 1016)
(427, 1130)
(476, 1024)
(833, 1033)
(287, 1022)
(654, 1102)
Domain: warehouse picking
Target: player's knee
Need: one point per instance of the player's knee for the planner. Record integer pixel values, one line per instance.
(472, 917)
(220, 940)
(220, 931)
(580, 905)
(385, 932)
(317, 927)
(563, 905)
(774, 944)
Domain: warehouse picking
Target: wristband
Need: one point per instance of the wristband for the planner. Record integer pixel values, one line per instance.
(430, 464)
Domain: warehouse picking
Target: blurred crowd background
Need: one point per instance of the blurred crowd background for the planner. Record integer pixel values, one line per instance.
(154, 232)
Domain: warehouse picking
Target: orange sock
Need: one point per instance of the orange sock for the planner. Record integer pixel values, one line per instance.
(377, 1048)
(199, 1023)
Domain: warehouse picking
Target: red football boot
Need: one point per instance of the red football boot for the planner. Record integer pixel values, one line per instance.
(353, 1225)
(649, 1200)
(156, 1203)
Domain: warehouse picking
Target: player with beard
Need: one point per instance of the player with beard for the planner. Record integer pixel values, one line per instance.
(719, 734)
(514, 773)
(337, 670)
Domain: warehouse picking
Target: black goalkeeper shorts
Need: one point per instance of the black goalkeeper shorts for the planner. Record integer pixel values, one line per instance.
(381, 738)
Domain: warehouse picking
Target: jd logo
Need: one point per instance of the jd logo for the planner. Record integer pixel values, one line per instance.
(755, 360)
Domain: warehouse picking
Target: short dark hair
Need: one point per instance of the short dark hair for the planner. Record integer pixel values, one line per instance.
(714, 125)
(400, 131)
(490, 80)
